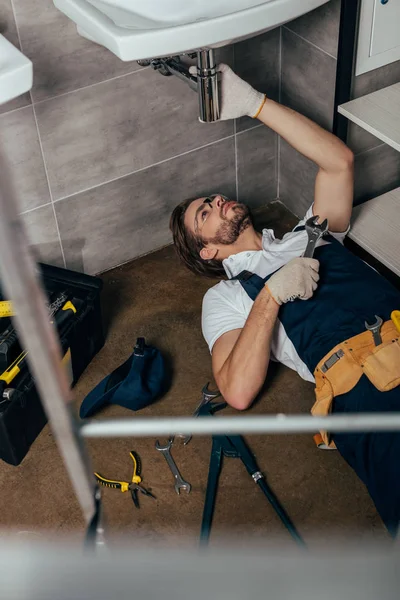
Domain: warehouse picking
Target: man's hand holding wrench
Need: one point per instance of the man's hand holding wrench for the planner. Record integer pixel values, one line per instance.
(298, 278)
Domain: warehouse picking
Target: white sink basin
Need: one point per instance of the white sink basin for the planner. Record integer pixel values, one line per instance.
(15, 71)
(139, 29)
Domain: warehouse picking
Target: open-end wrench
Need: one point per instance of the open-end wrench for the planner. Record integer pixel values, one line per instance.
(207, 396)
(376, 330)
(180, 483)
(314, 231)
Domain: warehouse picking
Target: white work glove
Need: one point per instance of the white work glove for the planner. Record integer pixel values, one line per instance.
(297, 279)
(237, 98)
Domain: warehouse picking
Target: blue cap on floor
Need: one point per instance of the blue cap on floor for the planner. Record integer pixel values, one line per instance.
(138, 382)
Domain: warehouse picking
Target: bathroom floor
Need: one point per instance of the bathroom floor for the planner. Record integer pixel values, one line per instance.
(157, 298)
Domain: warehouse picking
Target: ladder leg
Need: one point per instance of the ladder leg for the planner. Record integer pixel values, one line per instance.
(252, 468)
(211, 492)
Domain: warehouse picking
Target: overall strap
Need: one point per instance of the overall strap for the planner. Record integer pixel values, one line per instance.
(250, 282)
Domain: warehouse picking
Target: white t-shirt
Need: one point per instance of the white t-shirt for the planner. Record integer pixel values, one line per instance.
(226, 305)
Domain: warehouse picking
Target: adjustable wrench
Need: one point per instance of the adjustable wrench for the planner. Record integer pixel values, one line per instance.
(314, 231)
(376, 330)
(207, 396)
(179, 481)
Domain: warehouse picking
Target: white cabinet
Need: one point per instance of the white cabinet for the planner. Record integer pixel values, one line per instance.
(379, 34)
(386, 27)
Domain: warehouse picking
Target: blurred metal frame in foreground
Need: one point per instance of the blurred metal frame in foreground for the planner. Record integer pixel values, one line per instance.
(276, 424)
(61, 572)
(20, 280)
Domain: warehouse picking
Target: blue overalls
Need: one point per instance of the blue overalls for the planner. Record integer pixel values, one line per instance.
(349, 293)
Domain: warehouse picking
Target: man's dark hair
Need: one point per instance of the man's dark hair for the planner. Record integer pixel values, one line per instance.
(188, 245)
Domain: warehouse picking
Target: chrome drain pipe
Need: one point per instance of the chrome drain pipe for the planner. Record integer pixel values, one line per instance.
(206, 83)
(207, 89)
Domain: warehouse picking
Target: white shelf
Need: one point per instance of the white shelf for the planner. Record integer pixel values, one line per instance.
(378, 113)
(376, 228)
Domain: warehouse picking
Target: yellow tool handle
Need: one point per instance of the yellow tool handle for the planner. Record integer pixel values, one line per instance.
(395, 316)
(13, 370)
(69, 306)
(9, 375)
(119, 485)
(136, 467)
(6, 309)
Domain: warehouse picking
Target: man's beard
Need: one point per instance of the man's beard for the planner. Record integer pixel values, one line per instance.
(230, 229)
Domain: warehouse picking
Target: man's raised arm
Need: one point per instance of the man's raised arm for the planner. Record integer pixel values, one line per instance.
(333, 195)
(334, 183)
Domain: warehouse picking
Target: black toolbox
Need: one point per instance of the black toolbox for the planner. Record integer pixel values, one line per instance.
(81, 335)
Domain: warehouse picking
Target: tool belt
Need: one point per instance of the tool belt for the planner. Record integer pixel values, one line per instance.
(341, 369)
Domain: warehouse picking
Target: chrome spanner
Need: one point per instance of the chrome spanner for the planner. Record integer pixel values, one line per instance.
(180, 483)
(314, 231)
(207, 396)
(376, 330)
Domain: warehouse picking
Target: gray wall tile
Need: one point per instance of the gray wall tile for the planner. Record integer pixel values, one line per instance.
(223, 55)
(63, 60)
(257, 61)
(129, 217)
(375, 80)
(297, 180)
(8, 29)
(19, 138)
(320, 26)
(20, 102)
(43, 235)
(308, 86)
(359, 140)
(308, 79)
(376, 171)
(112, 129)
(256, 165)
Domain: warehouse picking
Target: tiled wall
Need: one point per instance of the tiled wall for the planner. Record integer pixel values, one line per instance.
(101, 150)
(308, 69)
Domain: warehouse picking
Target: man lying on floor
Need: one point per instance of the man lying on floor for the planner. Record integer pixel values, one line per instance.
(307, 313)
